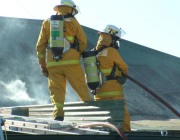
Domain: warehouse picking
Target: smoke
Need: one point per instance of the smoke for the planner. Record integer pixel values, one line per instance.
(21, 82)
(70, 94)
(16, 91)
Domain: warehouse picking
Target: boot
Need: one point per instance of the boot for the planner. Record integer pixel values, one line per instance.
(59, 118)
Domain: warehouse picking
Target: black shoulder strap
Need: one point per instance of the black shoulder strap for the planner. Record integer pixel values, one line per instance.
(68, 16)
(112, 74)
(102, 48)
(75, 44)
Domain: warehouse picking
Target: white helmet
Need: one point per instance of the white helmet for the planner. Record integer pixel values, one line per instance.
(68, 3)
(111, 29)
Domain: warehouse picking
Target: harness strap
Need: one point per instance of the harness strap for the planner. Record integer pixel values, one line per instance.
(102, 48)
(112, 74)
(68, 16)
(75, 44)
(110, 78)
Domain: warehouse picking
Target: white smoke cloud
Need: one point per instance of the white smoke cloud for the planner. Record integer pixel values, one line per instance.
(21, 82)
(17, 90)
(71, 95)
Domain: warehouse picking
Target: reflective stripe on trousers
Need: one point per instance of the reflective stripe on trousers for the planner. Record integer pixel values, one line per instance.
(58, 106)
(107, 94)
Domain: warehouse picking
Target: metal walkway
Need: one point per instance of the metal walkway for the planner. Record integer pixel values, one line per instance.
(83, 120)
(80, 117)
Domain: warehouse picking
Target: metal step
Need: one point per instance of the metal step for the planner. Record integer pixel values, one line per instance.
(44, 126)
(111, 111)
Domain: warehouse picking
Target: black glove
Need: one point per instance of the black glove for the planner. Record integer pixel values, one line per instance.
(121, 79)
(44, 71)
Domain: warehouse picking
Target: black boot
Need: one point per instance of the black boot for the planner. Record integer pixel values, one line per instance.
(59, 118)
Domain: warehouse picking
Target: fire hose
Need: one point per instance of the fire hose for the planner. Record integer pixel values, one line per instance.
(154, 95)
(122, 135)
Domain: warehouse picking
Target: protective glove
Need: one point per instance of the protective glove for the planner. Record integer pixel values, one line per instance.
(44, 71)
(121, 79)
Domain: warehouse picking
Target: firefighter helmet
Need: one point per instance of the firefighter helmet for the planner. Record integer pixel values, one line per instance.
(111, 29)
(68, 3)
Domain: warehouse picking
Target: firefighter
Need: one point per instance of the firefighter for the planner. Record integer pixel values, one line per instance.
(67, 66)
(112, 68)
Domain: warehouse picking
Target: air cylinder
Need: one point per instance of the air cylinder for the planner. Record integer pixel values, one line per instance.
(57, 36)
(91, 69)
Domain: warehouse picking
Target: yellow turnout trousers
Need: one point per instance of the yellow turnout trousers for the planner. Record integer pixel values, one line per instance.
(57, 85)
(112, 90)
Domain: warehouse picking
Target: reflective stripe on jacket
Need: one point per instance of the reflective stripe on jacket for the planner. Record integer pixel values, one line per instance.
(106, 71)
(60, 63)
(109, 94)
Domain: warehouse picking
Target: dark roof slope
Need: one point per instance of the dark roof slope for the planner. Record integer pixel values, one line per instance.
(158, 71)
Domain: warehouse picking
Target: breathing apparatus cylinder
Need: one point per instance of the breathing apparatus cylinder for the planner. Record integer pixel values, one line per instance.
(91, 69)
(57, 36)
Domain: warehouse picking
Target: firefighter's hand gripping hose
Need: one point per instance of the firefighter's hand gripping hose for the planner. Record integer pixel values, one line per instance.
(105, 125)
